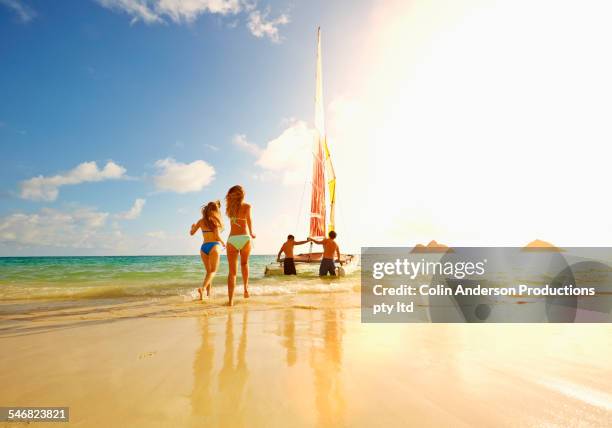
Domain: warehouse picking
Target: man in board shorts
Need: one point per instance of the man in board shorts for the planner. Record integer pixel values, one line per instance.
(330, 249)
(287, 248)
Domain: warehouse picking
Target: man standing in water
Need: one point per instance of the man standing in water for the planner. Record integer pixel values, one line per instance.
(287, 248)
(330, 249)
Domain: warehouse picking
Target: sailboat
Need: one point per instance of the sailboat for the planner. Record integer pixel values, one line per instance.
(322, 174)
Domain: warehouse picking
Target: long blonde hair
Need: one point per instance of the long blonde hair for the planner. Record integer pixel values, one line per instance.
(233, 200)
(211, 215)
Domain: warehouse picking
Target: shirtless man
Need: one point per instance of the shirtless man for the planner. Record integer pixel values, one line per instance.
(287, 248)
(330, 248)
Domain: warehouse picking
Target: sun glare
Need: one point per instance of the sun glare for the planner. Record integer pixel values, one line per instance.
(445, 100)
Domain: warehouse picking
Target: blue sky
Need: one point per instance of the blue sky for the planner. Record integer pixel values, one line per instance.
(84, 82)
(467, 122)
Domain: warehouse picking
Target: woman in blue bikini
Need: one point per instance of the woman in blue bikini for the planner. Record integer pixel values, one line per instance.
(210, 251)
(239, 240)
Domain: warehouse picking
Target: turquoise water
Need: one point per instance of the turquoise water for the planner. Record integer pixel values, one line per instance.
(98, 277)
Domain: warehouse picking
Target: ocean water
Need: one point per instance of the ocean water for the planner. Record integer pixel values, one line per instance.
(142, 276)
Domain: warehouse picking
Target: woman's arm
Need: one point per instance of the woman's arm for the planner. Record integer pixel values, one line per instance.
(250, 221)
(195, 227)
(218, 237)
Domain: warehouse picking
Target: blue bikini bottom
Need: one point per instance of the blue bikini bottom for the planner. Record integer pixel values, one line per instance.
(207, 246)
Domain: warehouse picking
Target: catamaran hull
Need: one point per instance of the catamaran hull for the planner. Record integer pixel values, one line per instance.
(308, 265)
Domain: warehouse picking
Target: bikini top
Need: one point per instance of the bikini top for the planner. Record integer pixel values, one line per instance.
(235, 220)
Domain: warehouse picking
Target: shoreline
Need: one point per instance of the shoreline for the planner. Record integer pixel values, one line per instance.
(51, 313)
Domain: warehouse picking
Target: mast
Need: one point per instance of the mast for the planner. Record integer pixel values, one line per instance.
(317, 201)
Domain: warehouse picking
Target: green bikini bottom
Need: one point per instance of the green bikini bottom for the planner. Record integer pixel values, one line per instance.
(238, 241)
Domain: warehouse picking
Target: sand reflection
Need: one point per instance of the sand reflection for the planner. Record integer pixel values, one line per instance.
(234, 373)
(224, 405)
(201, 397)
(289, 336)
(326, 363)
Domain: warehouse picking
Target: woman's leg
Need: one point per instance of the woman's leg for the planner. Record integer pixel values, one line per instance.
(244, 266)
(205, 263)
(232, 261)
(213, 265)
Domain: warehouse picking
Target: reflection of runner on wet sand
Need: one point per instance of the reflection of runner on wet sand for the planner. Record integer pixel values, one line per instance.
(289, 336)
(201, 397)
(326, 362)
(233, 378)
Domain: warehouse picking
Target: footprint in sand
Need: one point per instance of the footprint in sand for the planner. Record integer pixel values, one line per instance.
(147, 355)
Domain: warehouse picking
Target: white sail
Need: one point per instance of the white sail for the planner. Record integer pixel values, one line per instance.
(319, 109)
(321, 148)
(317, 201)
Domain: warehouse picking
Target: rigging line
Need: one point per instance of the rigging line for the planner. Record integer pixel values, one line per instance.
(297, 221)
(341, 209)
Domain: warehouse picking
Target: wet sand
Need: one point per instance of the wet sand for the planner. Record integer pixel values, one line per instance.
(292, 363)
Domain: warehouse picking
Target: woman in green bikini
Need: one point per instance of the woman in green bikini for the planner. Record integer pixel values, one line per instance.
(239, 240)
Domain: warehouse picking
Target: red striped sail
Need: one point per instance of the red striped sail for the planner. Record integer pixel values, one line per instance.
(317, 201)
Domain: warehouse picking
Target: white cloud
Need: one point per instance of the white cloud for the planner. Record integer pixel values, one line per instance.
(187, 11)
(157, 234)
(242, 143)
(290, 154)
(265, 176)
(78, 228)
(178, 11)
(23, 11)
(260, 26)
(134, 212)
(47, 188)
(183, 177)
(75, 230)
(139, 10)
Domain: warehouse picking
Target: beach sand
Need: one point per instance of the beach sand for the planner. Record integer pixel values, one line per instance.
(297, 361)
